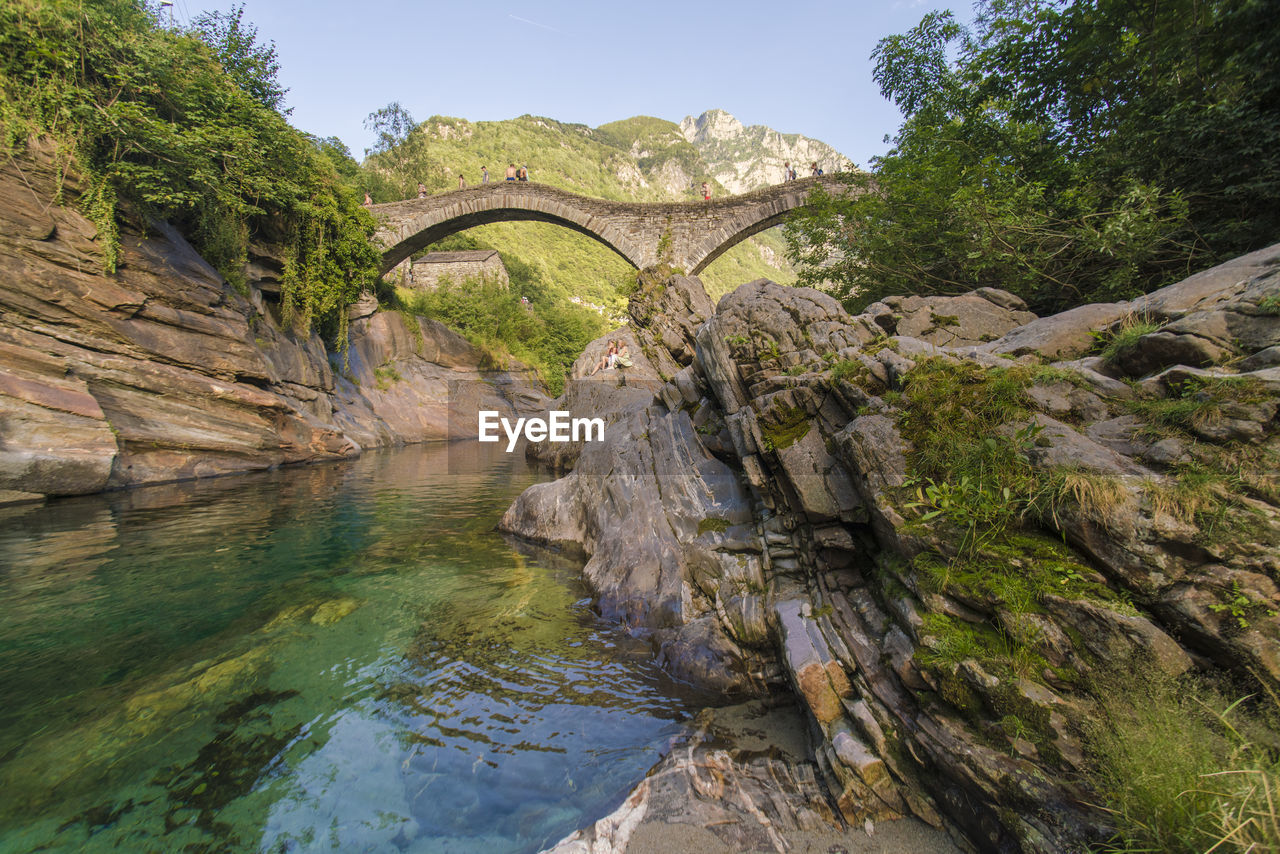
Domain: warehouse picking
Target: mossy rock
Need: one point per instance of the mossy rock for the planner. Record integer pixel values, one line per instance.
(784, 426)
(713, 524)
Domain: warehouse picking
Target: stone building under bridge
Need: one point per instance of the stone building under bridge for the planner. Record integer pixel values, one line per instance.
(427, 271)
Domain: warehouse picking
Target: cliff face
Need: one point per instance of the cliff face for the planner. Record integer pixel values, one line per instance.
(162, 371)
(815, 500)
(748, 158)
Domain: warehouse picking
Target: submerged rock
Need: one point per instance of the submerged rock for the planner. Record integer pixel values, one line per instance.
(728, 787)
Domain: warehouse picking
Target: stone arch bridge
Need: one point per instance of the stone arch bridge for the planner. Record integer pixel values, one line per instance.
(689, 235)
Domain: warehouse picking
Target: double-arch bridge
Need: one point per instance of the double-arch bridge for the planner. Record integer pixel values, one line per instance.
(689, 235)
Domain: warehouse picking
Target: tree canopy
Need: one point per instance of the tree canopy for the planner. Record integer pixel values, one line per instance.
(186, 126)
(1070, 152)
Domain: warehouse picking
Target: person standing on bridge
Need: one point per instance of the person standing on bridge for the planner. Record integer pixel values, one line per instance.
(706, 191)
(511, 171)
(462, 183)
(422, 190)
(484, 174)
(786, 172)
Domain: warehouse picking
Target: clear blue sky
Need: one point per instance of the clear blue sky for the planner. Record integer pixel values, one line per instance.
(798, 66)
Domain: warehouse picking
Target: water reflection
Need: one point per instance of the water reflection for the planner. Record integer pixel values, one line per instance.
(342, 657)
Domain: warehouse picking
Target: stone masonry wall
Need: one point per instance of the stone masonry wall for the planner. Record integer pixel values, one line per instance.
(429, 270)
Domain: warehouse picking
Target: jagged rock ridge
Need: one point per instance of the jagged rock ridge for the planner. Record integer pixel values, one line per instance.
(747, 158)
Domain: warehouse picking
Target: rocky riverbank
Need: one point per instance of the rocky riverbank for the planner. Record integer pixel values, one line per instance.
(940, 522)
(162, 371)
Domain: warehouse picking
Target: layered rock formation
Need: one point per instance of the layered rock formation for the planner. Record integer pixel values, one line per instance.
(939, 521)
(162, 371)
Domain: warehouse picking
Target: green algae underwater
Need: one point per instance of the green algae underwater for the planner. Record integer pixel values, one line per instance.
(338, 657)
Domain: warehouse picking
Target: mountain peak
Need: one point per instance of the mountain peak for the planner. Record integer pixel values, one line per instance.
(747, 158)
(711, 125)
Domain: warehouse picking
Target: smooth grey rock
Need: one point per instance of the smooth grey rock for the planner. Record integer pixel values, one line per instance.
(1268, 358)
(1158, 350)
(1067, 335)
(1112, 636)
(363, 307)
(957, 321)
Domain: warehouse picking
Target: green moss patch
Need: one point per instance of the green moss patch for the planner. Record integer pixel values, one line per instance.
(784, 426)
(715, 524)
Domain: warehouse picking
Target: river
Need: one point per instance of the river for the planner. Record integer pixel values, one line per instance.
(340, 657)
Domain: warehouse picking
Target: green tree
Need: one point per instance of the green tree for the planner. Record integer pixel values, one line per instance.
(1073, 151)
(1182, 94)
(162, 130)
(392, 124)
(254, 67)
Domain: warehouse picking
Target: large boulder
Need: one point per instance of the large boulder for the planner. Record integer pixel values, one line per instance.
(668, 535)
(942, 666)
(972, 318)
(593, 390)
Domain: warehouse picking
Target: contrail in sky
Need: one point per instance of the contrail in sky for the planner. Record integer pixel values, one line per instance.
(535, 23)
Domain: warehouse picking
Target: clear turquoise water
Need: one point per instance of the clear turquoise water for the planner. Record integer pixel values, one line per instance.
(336, 658)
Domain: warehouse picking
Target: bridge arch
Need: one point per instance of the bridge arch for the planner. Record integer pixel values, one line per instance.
(689, 234)
(481, 206)
(720, 240)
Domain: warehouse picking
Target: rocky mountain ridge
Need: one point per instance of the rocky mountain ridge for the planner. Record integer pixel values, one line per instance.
(747, 158)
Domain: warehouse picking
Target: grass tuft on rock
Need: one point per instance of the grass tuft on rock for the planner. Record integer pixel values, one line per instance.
(1123, 341)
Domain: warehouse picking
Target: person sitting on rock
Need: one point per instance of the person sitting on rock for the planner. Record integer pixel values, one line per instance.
(368, 200)
(422, 190)
(622, 359)
(606, 361)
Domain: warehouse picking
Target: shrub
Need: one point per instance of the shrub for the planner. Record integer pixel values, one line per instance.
(548, 335)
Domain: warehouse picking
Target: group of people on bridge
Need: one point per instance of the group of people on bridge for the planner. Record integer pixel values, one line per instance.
(789, 174)
(514, 173)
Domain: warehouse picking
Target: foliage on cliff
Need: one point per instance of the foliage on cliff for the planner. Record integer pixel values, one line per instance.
(1073, 152)
(185, 126)
(547, 333)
